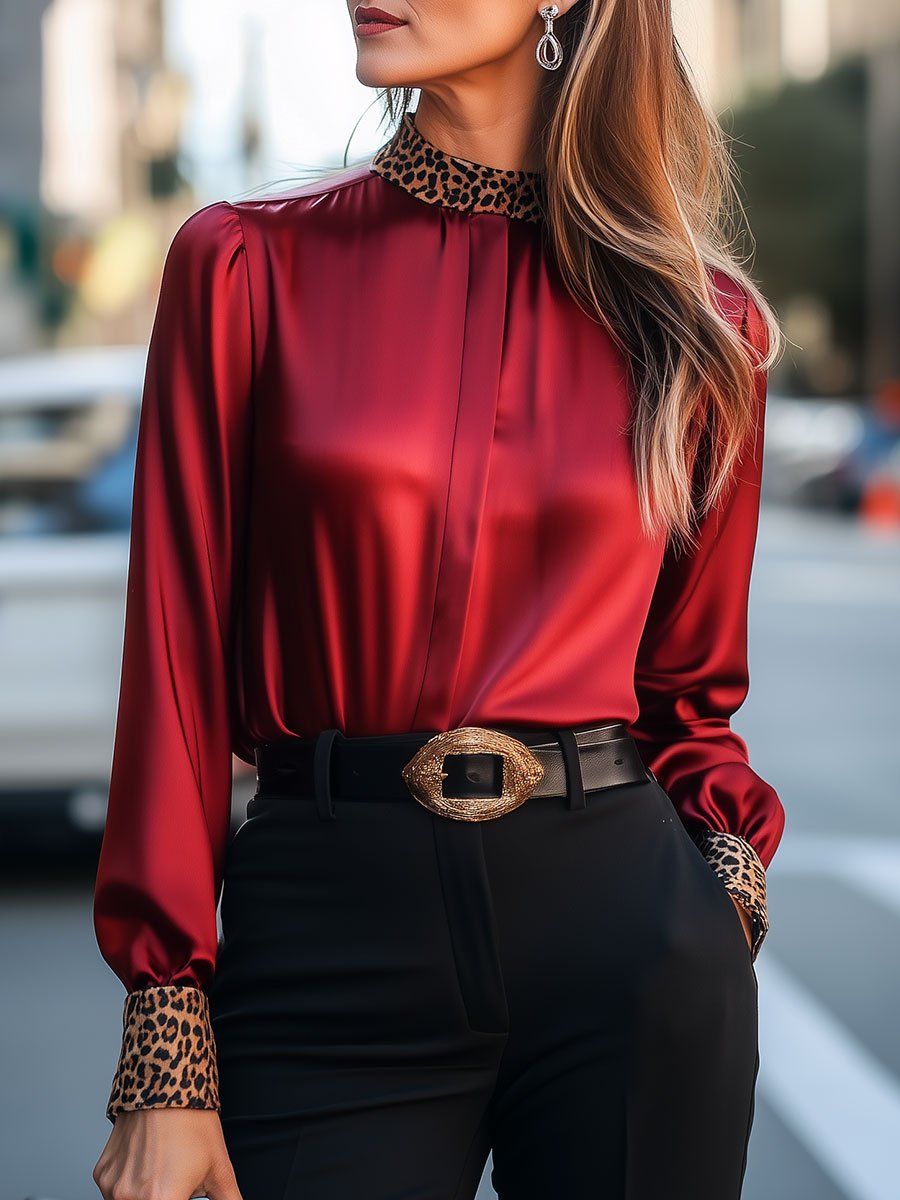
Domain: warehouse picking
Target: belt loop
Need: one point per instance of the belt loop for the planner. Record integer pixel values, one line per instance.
(322, 772)
(572, 762)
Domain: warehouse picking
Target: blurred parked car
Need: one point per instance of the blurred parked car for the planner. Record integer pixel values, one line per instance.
(870, 472)
(68, 434)
(840, 455)
(808, 442)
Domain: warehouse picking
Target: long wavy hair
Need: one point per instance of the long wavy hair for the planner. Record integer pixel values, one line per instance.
(642, 205)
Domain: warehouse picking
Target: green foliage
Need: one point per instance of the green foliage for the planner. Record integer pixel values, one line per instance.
(801, 155)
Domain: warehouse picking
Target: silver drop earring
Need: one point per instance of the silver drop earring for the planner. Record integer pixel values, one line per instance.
(549, 49)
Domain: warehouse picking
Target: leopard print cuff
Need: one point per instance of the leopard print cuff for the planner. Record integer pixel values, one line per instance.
(168, 1057)
(740, 869)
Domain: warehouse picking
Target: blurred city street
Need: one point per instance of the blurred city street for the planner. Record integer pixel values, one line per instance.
(820, 719)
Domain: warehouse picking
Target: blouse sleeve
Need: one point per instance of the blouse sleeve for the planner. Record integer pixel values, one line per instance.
(168, 819)
(692, 676)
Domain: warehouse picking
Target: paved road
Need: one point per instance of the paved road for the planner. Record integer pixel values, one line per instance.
(821, 722)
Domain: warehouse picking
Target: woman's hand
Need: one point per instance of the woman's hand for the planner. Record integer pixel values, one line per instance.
(166, 1154)
(745, 919)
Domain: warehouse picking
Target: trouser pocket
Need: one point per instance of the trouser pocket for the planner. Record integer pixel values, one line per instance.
(710, 881)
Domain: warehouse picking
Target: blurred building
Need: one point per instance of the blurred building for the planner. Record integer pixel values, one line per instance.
(90, 125)
(738, 46)
(741, 49)
(20, 102)
(111, 113)
(21, 127)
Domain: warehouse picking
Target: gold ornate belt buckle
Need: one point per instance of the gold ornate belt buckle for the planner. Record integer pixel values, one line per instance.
(424, 773)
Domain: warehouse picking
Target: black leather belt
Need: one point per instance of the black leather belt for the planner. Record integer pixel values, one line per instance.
(470, 773)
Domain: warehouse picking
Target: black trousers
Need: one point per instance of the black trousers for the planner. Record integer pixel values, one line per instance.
(399, 993)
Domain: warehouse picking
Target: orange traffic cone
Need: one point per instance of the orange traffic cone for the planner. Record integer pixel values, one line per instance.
(880, 502)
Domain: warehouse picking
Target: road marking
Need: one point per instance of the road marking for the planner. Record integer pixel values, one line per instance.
(838, 1100)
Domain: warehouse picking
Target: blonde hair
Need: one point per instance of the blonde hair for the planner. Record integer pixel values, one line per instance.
(640, 197)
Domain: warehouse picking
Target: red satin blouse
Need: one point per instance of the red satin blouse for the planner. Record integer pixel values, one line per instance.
(382, 484)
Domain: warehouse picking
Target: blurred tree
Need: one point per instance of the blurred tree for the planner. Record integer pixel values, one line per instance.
(801, 155)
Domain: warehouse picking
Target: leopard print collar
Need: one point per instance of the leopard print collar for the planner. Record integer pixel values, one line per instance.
(434, 175)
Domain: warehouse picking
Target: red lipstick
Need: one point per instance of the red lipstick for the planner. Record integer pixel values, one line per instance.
(370, 20)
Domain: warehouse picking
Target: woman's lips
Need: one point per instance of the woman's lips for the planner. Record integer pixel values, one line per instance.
(370, 21)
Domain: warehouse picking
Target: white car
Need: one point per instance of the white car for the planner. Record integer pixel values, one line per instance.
(808, 441)
(68, 430)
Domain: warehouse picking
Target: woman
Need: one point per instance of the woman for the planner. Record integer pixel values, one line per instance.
(444, 512)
